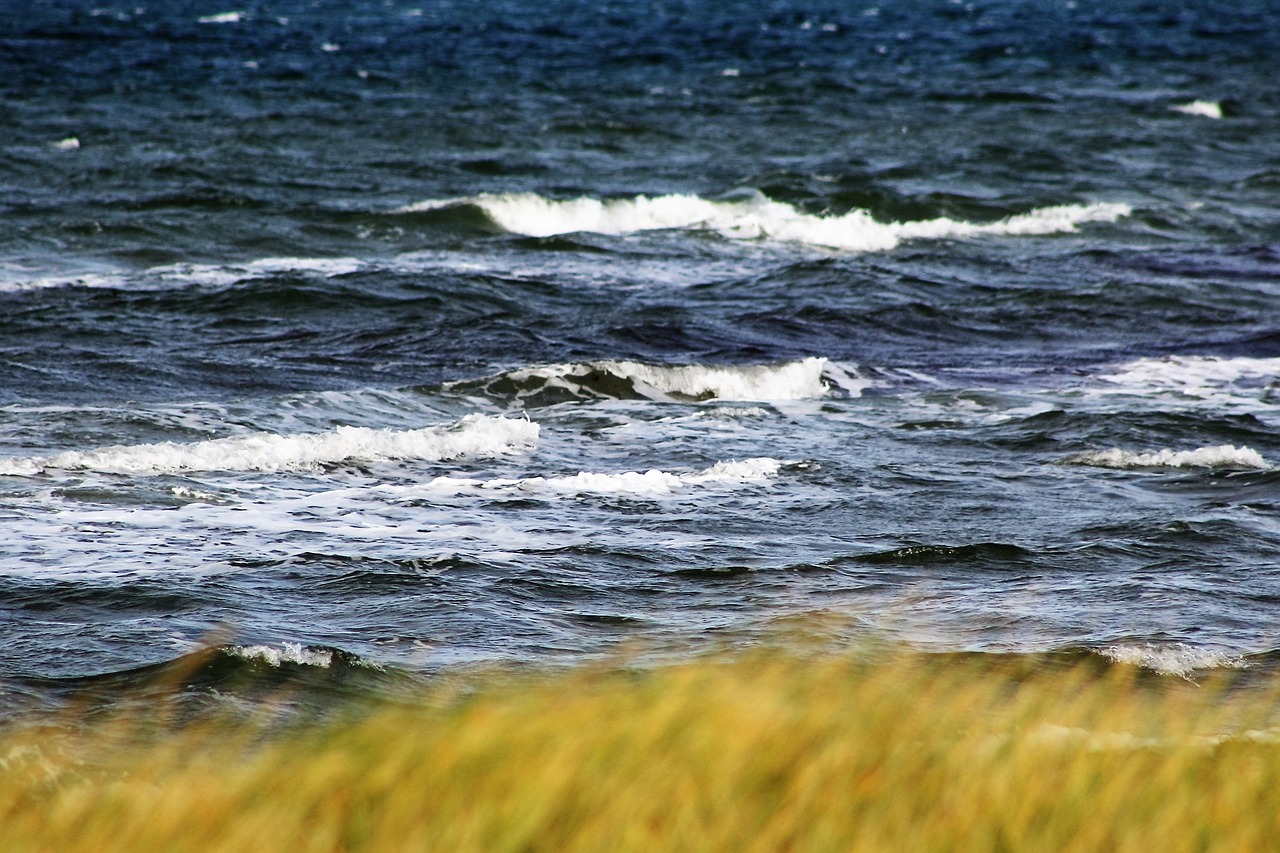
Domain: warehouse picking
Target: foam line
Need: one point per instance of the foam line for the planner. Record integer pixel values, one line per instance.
(804, 379)
(474, 435)
(752, 218)
(1222, 456)
(652, 483)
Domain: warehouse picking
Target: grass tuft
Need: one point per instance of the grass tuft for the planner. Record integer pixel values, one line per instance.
(774, 750)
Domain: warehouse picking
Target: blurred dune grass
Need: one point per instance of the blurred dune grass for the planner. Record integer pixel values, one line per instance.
(779, 749)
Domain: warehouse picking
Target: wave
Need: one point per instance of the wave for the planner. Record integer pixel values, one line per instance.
(807, 378)
(978, 552)
(1176, 659)
(752, 218)
(279, 681)
(652, 483)
(1205, 109)
(1202, 378)
(183, 274)
(286, 653)
(1222, 456)
(222, 18)
(474, 435)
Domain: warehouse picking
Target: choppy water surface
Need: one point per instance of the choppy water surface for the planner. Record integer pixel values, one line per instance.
(401, 334)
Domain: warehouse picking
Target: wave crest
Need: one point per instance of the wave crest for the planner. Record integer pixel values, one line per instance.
(1222, 456)
(294, 653)
(1211, 379)
(1176, 659)
(807, 378)
(1205, 109)
(474, 435)
(652, 483)
(755, 217)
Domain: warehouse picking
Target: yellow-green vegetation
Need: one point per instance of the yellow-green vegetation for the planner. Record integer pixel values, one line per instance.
(780, 750)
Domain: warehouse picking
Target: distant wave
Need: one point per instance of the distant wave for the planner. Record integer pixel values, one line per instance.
(794, 380)
(1222, 456)
(1204, 109)
(222, 18)
(752, 218)
(474, 435)
(652, 483)
(184, 275)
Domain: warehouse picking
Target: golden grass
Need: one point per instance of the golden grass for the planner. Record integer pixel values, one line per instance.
(776, 750)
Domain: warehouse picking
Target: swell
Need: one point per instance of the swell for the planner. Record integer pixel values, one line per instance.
(293, 681)
(1067, 431)
(285, 679)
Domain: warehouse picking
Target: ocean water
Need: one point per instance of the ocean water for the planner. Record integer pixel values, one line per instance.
(355, 340)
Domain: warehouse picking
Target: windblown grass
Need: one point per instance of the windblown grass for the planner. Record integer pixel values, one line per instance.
(772, 751)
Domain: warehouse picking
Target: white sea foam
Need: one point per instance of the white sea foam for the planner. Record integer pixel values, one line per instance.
(570, 271)
(796, 380)
(474, 435)
(652, 483)
(223, 18)
(182, 275)
(1205, 109)
(219, 274)
(295, 653)
(68, 144)
(1223, 382)
(752, 218)
(1176, 659)
(1222, 456)
(194, 494)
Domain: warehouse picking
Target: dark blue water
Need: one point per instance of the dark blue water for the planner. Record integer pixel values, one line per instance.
(351, 334)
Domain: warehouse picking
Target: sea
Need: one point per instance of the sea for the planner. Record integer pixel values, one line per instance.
(345, 343)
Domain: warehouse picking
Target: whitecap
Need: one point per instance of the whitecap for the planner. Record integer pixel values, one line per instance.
(1222, 456)
(473, 436)
(186, 274)
(1205, 109)
(190, 494)
(294, 653)
(1223, 382)
(752, 218)
(807, 378)
(223, 18)
(1176, 659)
(651, 483)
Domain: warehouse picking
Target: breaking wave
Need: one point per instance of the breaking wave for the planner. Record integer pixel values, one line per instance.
(474, 435)
(184, 274)
(1205, 109)
(796, 380)
(1211, 379)
(1222, 456)
(1177, 659)
(652, 483)
(754, 217)
(294, 653)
